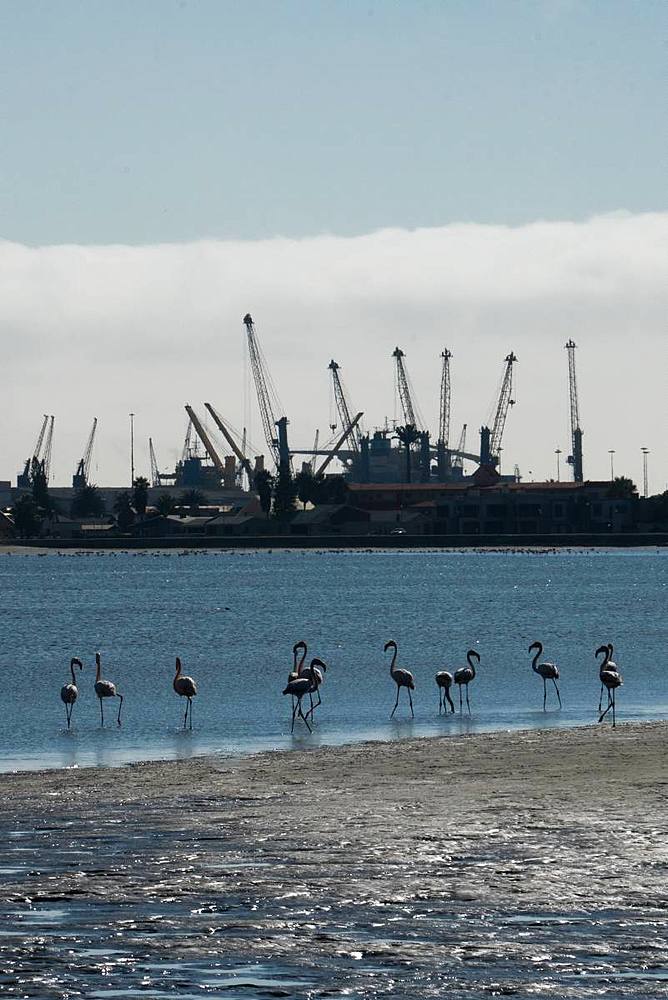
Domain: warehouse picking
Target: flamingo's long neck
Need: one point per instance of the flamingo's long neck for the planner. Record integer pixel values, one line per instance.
(606, 660)
(471, 664)
(394, 660)
(301, 662)
(98, 664)
(74, 676)
(535, 659)
(178, 668)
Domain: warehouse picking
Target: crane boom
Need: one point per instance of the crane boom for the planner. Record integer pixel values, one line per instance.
(245, 464)
(504, 403)
(342, 407)
(40, 438)
(206, 440)
(48, 447)
(348, 430)
(404, 390)
(444, 415)
(155, 473)
(268, 401)
(575, 459)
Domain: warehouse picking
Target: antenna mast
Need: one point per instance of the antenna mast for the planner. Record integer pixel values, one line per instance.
(575, 459)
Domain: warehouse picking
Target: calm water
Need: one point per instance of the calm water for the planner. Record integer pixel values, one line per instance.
(233, 618)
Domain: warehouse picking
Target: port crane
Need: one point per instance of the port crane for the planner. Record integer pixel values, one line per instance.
(343, 409)
(275, 430)
(575, 458)
(490, 441)
(460, 453)
(40, 460)
(443, 454)
(404, 389)
(206, 440)
(227, 434)
(155, 472)
(81, 477)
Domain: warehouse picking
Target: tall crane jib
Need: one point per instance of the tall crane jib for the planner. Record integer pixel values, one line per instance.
(403, 388)
(275, 430)
(81, 477)
(444, 456)
(574, 459)
(343, 409)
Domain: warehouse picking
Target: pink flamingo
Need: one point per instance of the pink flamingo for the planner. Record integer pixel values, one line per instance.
(548, 671)
(106, 689)
(402, 678)
(610, 679)
(304, 684)
(69, 692)
(465, 675)
(444, 679)
(185, 687)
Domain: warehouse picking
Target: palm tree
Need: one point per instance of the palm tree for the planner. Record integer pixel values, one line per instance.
(87, 502)
(165, 504)
(140, 494)
(408, 435)
(192, 499)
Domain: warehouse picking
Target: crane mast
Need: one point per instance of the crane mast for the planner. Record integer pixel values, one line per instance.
(239, 452)
(575, 459)
(268, 402)
(403, 388)
(81, 477)
(444, 415)
(343, 409)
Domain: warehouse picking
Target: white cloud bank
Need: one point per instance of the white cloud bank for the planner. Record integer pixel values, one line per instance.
(104, 330)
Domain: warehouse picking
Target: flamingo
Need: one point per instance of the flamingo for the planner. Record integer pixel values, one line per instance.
(301, 686)
(70, 692)
(185, 687)
(610, 679)
(465, 675)
(444, 679)
(318, 678)
(106, 689)
(548, 671)
(297, 667)
(402, 678)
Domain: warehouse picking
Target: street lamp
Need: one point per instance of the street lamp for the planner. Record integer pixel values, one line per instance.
(645, 490)
(132, 450)
(557, 452)
(611, 453)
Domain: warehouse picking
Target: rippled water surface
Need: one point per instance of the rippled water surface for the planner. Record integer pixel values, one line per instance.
(233, 618)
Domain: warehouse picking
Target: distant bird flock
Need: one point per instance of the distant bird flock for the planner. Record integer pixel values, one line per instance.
(305, 682)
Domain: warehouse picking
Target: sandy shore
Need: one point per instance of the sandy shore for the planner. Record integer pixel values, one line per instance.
(510, 863)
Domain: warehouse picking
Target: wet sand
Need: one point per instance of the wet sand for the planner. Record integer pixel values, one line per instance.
(518, 864)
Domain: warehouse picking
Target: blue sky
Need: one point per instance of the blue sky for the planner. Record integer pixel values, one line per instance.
(153, 121)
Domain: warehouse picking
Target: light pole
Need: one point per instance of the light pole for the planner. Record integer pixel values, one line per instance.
(132, 450)
(611, 453)
(557, 452)
(645, 489)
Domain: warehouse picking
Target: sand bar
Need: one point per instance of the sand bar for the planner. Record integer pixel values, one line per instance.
(527, 864)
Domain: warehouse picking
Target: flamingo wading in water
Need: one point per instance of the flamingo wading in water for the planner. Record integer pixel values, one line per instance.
(70, 692)
(465, 675)
(297, 667)
(402, 678)
(304, 684)
(548, 671)
(445, 680)
(610, 679)
(609, 665)
(185, 687)
(106, 689)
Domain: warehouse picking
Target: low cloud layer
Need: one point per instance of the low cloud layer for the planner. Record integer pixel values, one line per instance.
(104, 330)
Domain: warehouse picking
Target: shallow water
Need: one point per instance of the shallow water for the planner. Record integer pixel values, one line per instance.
(233, 618)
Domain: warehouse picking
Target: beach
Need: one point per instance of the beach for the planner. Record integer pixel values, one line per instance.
(526, 864)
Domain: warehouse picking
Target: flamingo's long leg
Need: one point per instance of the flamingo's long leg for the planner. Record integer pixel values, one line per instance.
(461, 709)
(440, 700)
(410, 699)
(396, 702)
(304, 717)
(120, 706)
(614, 721)
(101, 712)
(452, 704)
(468, 703)
(544, 694)
(556, 688)
(185, 717)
